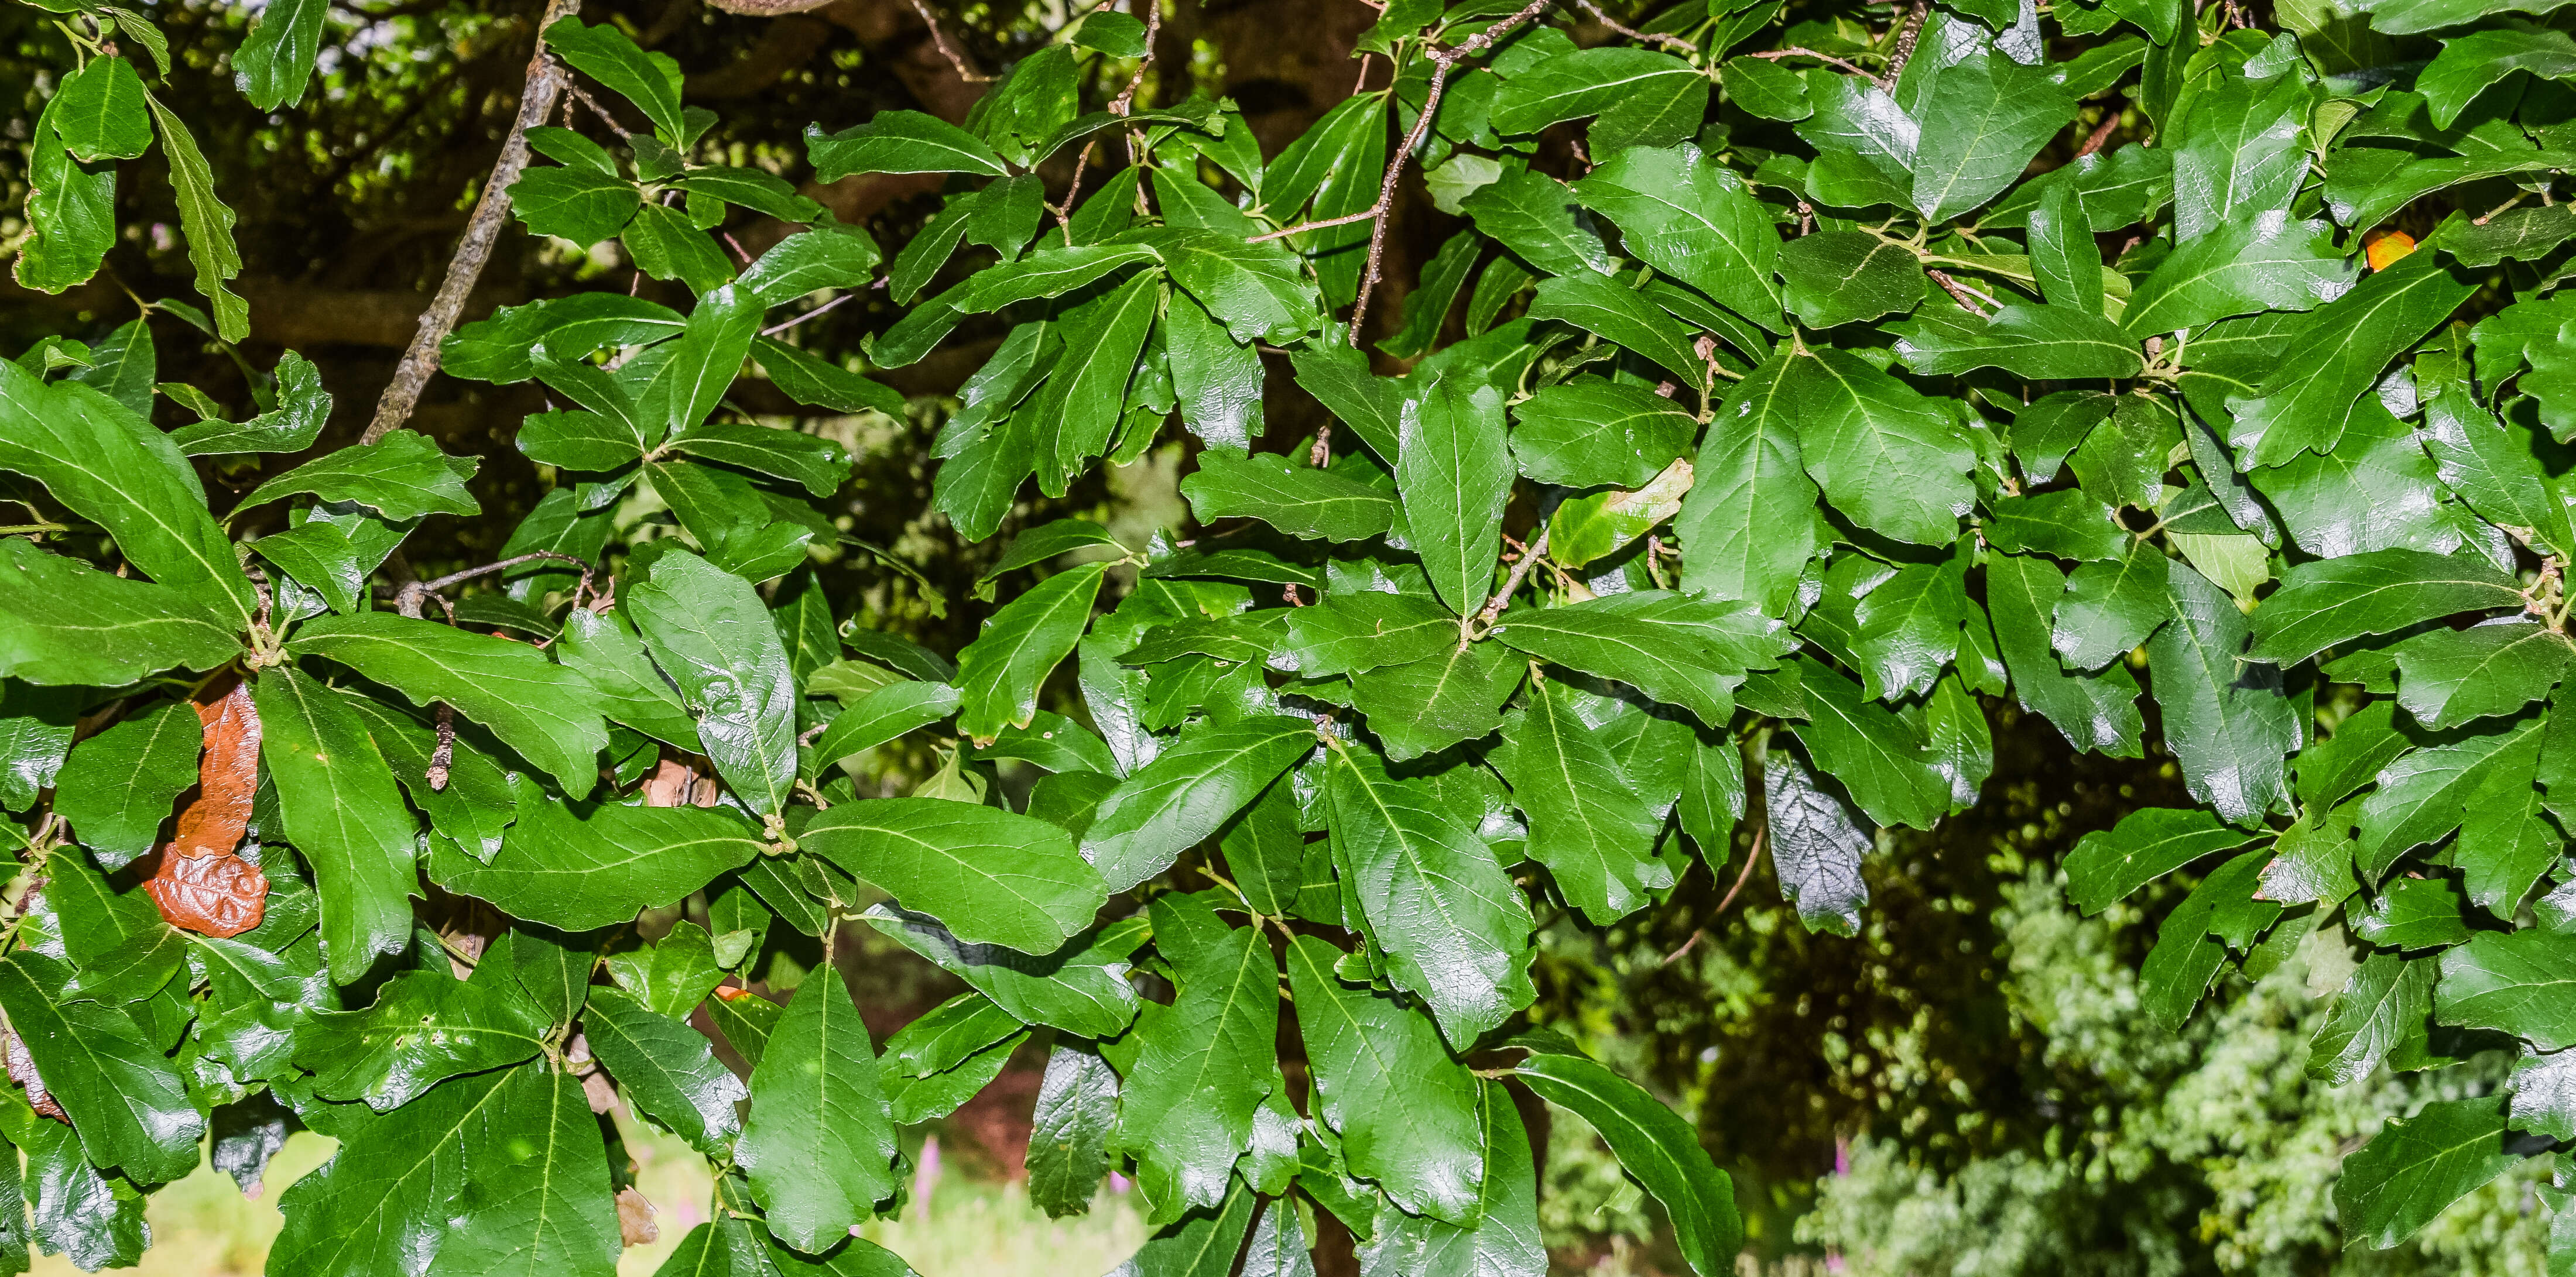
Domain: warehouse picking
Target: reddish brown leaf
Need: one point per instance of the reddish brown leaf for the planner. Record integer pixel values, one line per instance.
(212, 895)
(22, 1070)
(227, 777)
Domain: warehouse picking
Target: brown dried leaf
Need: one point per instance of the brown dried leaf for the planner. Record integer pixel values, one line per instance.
(213, 895)
(227, 777)
(635, 1218)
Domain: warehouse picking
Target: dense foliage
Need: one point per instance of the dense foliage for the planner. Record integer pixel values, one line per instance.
(1859, 378)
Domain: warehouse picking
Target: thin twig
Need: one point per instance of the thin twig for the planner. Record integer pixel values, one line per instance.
(1442, 60)
(956, 60)
(458, 578)
(582, 95)
(785, 324)
(1905, 38)
(1511, 584)
(1386, 192)
(1303, 227)
(2518, 197)
(1673, 42)
(1740, 879)
(1964, 295)
(1793, 51)
(491, 211)
(2101, 132)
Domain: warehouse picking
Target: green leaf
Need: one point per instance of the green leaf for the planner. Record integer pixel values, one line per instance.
(667, 1069)
(2041, 343)
(1984, 119)
(820, 1143)
(581, 871)
(117, 786)
(649, 80)
(2242, 152)
(111, 468)
(1592, 830)
(499, 349)
(575, 204)
(1880, 756)
(1831, 278)
(2063, 254)
(1103, 341)
(1339, 378)
(701, 365)
(1405, 1110)
(1081, 988)
(2413, 914)
(1454, 471)
(404, 476)
(2510, 981)
(821, 465)
(673, 974)
(2226, 722)
(1203, 1244)
(605, 650)
(999, 673)
(1535, 216)
(809, 379)
(1619, 314)
(1077, 1109)
(883, 715)
(1674, 648)
(1765, 88)
(302, 408)
(2448, 677)
(2522, 234)
(2110, 608)
(899, 142)
(1188, 792)
(1750, 524)
(99, 112)
(123, 1096)
(2472, 62)
(1884, 455)
(1572, 85)
(205, 220)
(2417, 1166)
(1454, 928)
(1353, 632)
(384, 1202)
(2107, 865)
(770, 195)
(2388, 1000)
(1655, 1146)
(1816, 845)
(711, 634)
(1438, 701)
(537, 1200)
(341, 810)
(2505, 842)
(1301, 501)
(423, 1028)
(1259, 291)
(2422, 794)
(990, 876)
(1050, 272)
(2308, 402)
(1505, 1240)
(2243, 266)
(1588, 432)
(545, 711)
(2333, 601)
(1204, 1063)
